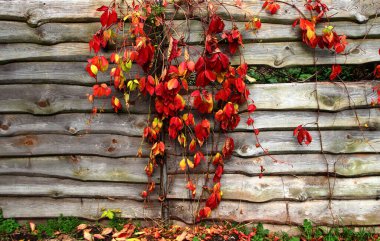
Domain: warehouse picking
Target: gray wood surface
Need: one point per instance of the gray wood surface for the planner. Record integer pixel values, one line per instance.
(133, 124)
(270, 188)
(72, 73)
(53, 33)
(343, 212)
(37, 12)
(349, 165)
(280, 54)
(73, 124)
(45, 99)
(82, 168)
(278, 142)
(88, 208)
(21, 186)
(283, 142)
(193, 31)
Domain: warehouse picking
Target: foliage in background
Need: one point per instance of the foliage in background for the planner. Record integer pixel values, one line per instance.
(265, 74)
(69, 228)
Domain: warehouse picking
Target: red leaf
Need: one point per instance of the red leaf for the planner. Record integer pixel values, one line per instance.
(108, 17)
(216, 25)
(302, 135)
(336, 69)
(251, 108)
(228, 147)
(218, 174)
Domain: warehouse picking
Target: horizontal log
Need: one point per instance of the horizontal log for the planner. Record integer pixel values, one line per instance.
(87, 208)
(50, 99)
(339, 10)
(50, 144)
(288, 54)
(343, 212)
(294, 164)
(71, 73)
(279, 142)
(193, 31)
(49, 33)
(295, 188)
(83, 168)
(73, 124)
(133, 124)
(53, 33)
(280, 54)
(47, 99)
(37, 12)
(20, 186)
(283, 142)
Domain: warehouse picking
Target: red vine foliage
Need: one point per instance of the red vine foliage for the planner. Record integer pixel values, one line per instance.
(220, 89)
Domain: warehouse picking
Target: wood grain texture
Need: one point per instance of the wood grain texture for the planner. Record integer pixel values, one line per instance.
(343, 212)
(280, 142)
(53, 33)
(71, 73)
(331, 96)
(283, 142)
(22, 52)
(353, 10)
(270, 188)
(73, 124)
(88, 208)
(50, 144)
(280, 54)
(348, 165)
(49, 33)
(288, 54)
(133, 124)
(37, 12)
(82, 168)
(193, 31)
(21, 186)
(45, 99)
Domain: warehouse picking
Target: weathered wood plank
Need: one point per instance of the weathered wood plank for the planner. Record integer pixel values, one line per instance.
(53, 33)
(133, 124)
(54, 73)
(45, 99)
(279, 142)
(280, 54)
(352, 10)
(331, 96)
(283, 142)
(193, 31)
(348, 165)
(343, 212)
(20, 186)
(49, 144)
(35, 207)
(301, 188)
(287, 54)
(37, 12)
(73, 124)
(49, 33)
(35, 52)
(50, 99)
(83, 168)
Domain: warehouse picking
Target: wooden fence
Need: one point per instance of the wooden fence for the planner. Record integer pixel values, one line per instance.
(53, 162)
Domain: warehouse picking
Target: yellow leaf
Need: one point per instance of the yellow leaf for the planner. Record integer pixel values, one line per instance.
(182, 164)
(94, 69)
(310, 34)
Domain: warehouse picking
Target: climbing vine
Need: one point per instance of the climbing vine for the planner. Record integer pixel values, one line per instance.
(195, 97)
